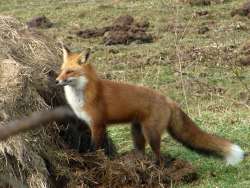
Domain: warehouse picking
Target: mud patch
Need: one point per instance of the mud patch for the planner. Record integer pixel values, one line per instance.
(124, 30)
(39, 22)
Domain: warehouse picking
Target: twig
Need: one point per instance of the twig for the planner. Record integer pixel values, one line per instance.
(36, 120)
(177, 49)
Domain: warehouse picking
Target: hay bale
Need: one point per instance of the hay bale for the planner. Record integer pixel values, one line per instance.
(18, 98)
(42, 57)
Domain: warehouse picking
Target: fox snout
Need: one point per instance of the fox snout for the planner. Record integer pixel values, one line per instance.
(64, 78)
(63, 82)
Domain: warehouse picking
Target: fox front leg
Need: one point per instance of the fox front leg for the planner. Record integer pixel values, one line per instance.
(98, 134)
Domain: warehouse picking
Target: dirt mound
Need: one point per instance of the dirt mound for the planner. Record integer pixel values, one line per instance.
(244, 10)
(203, 30)
(245, 60)
(128, 170)
(202, 13)
(39, 22)
(202, 2)
(41, 158)
(124, 30)
(244, 54)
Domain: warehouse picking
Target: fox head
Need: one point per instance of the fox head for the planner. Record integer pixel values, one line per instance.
(75, 71)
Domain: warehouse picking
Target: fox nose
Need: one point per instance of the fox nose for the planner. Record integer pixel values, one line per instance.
(63, 82)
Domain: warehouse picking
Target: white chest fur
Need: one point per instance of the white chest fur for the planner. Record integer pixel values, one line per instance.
(75, 99)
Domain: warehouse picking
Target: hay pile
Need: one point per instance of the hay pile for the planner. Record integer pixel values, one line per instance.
(43, 158)
(24, 55)
(128, 170)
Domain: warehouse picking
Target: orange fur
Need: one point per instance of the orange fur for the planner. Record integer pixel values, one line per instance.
(108, 102)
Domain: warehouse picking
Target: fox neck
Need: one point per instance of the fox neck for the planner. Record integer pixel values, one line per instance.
(91, 89)
(80, 95)
(75, 98)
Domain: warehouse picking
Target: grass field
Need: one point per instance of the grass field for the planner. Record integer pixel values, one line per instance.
(200, 71)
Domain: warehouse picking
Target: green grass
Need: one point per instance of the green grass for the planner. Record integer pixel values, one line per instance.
(198, 71)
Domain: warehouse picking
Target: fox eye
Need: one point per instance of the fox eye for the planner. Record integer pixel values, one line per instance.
(69, 71)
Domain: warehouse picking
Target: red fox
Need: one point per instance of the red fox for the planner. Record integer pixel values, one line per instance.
(100, 102)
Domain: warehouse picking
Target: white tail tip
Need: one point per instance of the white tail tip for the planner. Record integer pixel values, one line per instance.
(235, 155)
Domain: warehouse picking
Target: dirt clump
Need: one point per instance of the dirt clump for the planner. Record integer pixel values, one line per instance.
(202, 2)
(244, 54)
(39, 22)
(201, 13)
(124, 21)
(203, 30)
(244, 10)
(95, 32)
(124, 30)
(245, 60)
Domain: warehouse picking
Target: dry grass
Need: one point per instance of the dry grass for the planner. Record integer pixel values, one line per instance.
(23, 161)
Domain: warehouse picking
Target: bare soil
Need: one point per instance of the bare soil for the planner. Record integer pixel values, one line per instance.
(124, 30)
(39, 22)
(244, 10)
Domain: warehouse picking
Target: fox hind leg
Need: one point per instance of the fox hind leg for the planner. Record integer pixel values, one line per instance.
(154, 139)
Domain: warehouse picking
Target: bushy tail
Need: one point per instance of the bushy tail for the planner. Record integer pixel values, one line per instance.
(184, 130)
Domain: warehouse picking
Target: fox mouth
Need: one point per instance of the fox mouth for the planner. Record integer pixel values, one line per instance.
(63, 82)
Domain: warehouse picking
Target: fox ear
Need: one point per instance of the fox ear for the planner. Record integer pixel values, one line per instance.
(85, 56)
(66, 52)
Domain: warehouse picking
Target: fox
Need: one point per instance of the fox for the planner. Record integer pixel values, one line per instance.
(101, 102)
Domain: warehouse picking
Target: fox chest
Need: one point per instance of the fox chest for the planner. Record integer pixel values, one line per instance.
(75, 99)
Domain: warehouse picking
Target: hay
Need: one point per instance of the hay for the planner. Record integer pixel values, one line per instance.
(41, 158)
(22, 160)
(128, 170)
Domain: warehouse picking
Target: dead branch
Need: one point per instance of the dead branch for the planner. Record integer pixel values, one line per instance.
(36, 120)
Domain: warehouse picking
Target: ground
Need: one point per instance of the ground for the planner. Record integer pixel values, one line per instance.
(194, 58)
